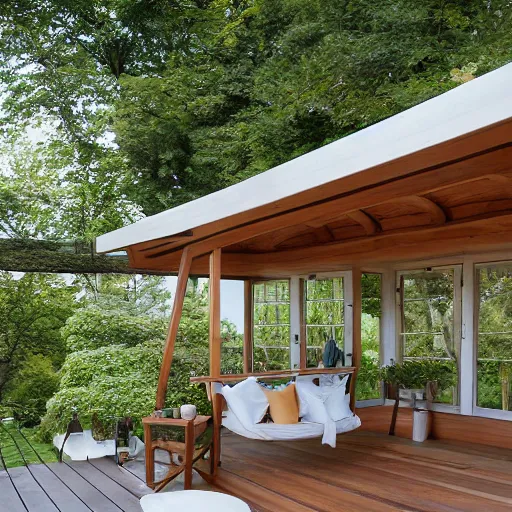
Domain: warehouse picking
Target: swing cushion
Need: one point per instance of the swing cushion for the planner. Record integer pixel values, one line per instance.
(284, 407)
(247, 401)
(337, 402)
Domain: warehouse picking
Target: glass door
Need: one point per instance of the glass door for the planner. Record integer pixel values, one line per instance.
(429, 311)
(327, 316)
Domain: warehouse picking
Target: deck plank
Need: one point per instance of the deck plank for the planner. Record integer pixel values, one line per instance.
(258, 497)
(31, 493)
(110, 488)
(61, 495)
(95, 500)
(355, 468)
(124, 478)
(8, 495)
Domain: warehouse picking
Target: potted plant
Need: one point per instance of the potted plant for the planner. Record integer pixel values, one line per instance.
(413, 377)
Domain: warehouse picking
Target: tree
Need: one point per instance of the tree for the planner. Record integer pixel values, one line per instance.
(33, 308)
(35, 383)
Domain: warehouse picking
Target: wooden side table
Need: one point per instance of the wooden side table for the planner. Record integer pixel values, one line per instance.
(186, 441)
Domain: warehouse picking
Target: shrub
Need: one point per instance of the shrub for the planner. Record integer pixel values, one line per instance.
(31, 389)
(119, 381)
(91, 328)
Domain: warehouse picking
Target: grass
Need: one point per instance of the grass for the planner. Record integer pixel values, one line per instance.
(20, 447)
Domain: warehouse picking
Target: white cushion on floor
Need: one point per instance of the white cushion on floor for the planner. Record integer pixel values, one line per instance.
(192, 501)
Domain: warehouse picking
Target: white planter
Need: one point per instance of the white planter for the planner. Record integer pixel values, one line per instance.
(188, 411)
(420, 425)
(408, 394)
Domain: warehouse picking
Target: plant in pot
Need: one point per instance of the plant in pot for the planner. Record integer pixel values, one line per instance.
(416, 376)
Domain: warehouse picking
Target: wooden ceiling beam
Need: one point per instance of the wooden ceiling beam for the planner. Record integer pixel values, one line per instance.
(485, 232)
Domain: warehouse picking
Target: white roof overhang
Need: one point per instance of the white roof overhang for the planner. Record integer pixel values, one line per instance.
(468, 108)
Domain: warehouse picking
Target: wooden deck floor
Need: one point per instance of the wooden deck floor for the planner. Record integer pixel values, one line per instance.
(366, 472)
(97, 486)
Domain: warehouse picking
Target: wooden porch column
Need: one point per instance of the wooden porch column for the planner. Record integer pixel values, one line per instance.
(214, 294)
(356, 329)
(215, 352)
(177, 308)
(248, 315)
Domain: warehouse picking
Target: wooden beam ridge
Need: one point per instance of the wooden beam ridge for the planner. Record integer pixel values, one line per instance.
(177, 309)
(214, 295)
(370, 225)
(248, 319)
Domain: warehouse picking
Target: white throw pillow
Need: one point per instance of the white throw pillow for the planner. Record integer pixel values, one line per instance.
(247, 401)
(337, 401)
(312, 402)
(327, 401)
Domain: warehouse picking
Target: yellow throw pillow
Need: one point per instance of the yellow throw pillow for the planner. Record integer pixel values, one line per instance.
(284, 406)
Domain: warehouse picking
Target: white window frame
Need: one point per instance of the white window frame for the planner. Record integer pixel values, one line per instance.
(483, 412)
(457, 319)
(348, 294)
(253, 325)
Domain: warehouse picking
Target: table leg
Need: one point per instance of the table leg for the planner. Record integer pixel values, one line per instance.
(189, 454)
(150, 457)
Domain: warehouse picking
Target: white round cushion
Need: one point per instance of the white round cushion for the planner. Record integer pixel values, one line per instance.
(192, 501)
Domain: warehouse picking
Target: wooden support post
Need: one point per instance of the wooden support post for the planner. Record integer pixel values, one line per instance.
(214, 291)
(356, 329)
(150, 457)
(248, 316)
(189, 454)
(215, 351)
(177, 308)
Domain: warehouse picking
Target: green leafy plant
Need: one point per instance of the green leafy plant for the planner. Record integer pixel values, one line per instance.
(431, 375)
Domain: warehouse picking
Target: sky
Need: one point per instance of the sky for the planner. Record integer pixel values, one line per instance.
(231, 300)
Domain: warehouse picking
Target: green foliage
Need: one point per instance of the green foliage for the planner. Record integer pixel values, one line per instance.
(113, 380)
(33, 386)
(91, 328)
(33, 309)
(416, 374)
(117, 381)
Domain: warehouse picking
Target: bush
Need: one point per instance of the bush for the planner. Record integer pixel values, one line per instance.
(33, 386)
(119, 381)
(91, 328)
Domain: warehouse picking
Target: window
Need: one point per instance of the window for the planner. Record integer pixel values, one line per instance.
(430, 319)
(271, 324)
(324, 316)
(494, 352)
(368, 382)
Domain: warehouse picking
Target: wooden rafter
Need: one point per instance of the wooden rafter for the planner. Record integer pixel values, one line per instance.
(433, 209)
(177, 308)
(370, 225)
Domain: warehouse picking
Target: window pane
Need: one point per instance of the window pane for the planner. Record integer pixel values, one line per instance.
(427, 322)
(494, 366)
(368, 382)
(323, 315)
(271, 326)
